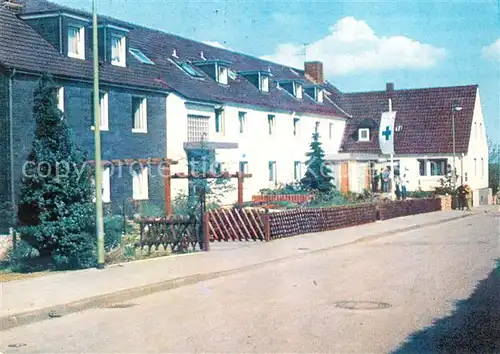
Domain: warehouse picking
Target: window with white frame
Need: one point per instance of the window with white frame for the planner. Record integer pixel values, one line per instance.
(219, 121)
(140, 183)
(272, 171)
(103, 111)
(118, 50)
(296, 126)
(297, 170)
(222, 75)
(243, 167)
(264, 83)
(319, 95)
(298, 90)
(106, 184)
(139, 115)
(330, 131)
(242, 116)
(364, 134)
(76, 42)
(433, 167)
(198, 128)
(60, 98)
(270, 123)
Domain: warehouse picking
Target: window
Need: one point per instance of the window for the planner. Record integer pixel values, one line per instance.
(219, 121)
(270, 123)
(197, 128)
(319, 95)
(243, 167)
(103, 111)
(60, 98)
(264, 83)
(118, 50)
(140, 184)
(298, 90)
(187, 68)
(435, 167)
(76, 42)
(296, 126)
(297, 170)
(316, 127)
(422, 167)
(330, 131)
(482, 167)
(139, 115)
(242, 121)
(475, 167)
(106, 184)
(222, 75)
(140, 56)
(272, 171)
(364, 134)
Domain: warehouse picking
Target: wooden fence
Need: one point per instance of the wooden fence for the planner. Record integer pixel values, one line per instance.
(235, 224)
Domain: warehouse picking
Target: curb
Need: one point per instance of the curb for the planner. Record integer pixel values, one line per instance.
(102, 301)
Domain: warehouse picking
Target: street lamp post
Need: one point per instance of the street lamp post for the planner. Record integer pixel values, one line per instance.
(97, 143)
(454, 109)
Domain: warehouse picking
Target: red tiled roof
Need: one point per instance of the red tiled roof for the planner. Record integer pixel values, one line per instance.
(424, 115)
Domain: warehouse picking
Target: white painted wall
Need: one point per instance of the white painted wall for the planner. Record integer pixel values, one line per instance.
(255, 145)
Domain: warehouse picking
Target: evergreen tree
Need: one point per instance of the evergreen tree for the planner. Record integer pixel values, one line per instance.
(56, 207)
(318, 174)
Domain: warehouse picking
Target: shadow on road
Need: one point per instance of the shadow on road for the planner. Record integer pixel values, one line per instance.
(474, 326)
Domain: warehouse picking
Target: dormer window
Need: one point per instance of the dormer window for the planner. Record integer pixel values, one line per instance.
(319, 95)
(118, 50)
(315, 92)
(76, 41)
(364, 134)
(222, 75)
(264, 83)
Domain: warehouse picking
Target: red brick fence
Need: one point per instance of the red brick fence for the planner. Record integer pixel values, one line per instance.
(389, 210)
(293, 198)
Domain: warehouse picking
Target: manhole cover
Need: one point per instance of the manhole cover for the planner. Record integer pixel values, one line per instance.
(362, 305)
(120, 306)
(17, 345)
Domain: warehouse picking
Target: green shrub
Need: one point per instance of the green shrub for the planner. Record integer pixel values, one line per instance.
(150, 210)
(332, 198)
(420, 194)
(114, 228)
(284, 189)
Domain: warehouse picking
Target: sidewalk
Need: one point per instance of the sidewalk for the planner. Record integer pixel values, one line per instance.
(54, 295)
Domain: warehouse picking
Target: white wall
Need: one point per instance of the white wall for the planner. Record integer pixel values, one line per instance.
(255, 145)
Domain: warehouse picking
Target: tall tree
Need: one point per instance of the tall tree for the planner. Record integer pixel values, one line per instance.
(494, 165)
(56, 209)
(318, 174)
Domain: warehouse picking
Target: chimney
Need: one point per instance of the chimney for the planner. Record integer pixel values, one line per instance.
(314, 71)
(12, 5)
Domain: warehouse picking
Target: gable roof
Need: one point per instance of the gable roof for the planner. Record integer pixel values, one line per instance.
(23, 48)
(424, 116)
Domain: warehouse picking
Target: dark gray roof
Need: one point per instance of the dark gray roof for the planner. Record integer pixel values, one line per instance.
(22, 47)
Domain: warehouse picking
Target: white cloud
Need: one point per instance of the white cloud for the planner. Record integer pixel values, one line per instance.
(214, 44)
(492, 51)
(353, 46)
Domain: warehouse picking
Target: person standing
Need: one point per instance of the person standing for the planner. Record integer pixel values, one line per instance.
(460, 197)
(375, 179)
(397, 181)
(385, 181)
(468, 197)
(404, 183)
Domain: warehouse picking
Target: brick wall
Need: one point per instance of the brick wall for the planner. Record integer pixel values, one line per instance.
(300, 221)
(400, 208)
(446, 202)
(293, 198)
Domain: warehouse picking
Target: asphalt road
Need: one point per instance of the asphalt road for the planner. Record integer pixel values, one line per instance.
(379, 296)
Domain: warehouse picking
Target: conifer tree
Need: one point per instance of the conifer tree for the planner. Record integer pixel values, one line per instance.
(318, 174)
(56, 207)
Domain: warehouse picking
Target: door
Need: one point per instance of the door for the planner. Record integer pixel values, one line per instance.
(344, 175)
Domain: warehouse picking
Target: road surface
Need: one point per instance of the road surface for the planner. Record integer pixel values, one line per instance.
(366, 297)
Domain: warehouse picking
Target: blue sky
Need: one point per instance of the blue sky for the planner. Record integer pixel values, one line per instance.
(363, 44)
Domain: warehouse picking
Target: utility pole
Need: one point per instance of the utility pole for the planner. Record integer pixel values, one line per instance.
(454, 109)
(97, 142)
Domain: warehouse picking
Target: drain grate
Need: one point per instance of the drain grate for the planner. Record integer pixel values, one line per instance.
(362, 305)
